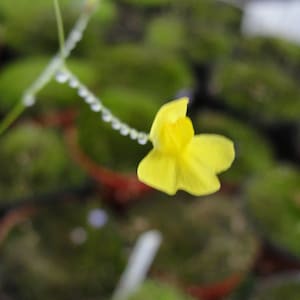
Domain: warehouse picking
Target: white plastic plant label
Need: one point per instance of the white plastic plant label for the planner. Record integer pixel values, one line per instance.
(139, 263)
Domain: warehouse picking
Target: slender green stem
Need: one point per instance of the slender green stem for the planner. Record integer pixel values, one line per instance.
(12, 116)
(60, 29)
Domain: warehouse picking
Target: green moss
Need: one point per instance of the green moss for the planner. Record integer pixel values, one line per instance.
(204, 240)
(34, 161)
(278, 288)
(29, 25)
(212, 30)
(107, 13)
(153, 290)
(18, 76)
(270, 49)
(261, 90)
(246, 140)
(158, 74)
(50, 265)
(166, 33)
(105, 145)
(273, 202)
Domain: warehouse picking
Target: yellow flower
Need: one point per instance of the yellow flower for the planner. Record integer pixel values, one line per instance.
(179, 158)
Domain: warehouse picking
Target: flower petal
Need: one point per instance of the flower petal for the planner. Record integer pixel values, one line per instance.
(212, 150)
(159, 171)
(174, 137)
(196, 178)
(168, 113)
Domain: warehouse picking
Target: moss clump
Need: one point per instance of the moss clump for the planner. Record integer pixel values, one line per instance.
(278, 288)
(150, 71)
(204, 240)
(38, 34)
(278, 51)
(60, 255)
(212, 30)
(34, 161)
(273, 202)
(260, 90)
(166, 33)
(153, 290)
(246, 140)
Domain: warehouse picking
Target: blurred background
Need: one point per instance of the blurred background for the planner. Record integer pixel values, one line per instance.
(71, 207)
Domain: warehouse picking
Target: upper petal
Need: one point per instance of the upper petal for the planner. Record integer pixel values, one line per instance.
(168, 113)
(174, 137)
(212, 150)
(159, 171)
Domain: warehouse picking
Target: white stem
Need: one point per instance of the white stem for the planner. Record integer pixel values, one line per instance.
(139, 263)
(56, 62)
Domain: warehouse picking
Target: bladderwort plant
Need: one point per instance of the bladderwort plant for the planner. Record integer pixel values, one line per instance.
(57, 69)
(179, 158)
(29, 96)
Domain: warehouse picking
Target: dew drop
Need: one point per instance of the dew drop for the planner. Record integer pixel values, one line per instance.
(96, 107)
(28, 100)
(61, 76)
(106, 115)
(73, 83)
(124, 130)
(142, 139)
(83, 92)
(90, 99)
(133, 134)
(115, 124)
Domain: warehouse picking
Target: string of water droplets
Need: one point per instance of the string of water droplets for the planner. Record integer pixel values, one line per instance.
(65, 76)
(54, 68)
(57, 61)
(29, 96)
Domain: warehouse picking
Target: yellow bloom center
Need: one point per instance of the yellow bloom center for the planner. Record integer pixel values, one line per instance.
(175, 136)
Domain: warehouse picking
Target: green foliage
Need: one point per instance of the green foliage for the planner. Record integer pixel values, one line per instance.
(137, 55)
(154, 290)
(261, 90)
(107, 13)
(166, 33)
(273, 50)
(247, 141)
(158, 74)
(212, 30)
(273, 202)
(25, 154)
(204, 240)
(51, 266)
(29, 25)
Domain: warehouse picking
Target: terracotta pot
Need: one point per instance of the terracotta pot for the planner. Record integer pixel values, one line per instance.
(14, 217)
(217, 290)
